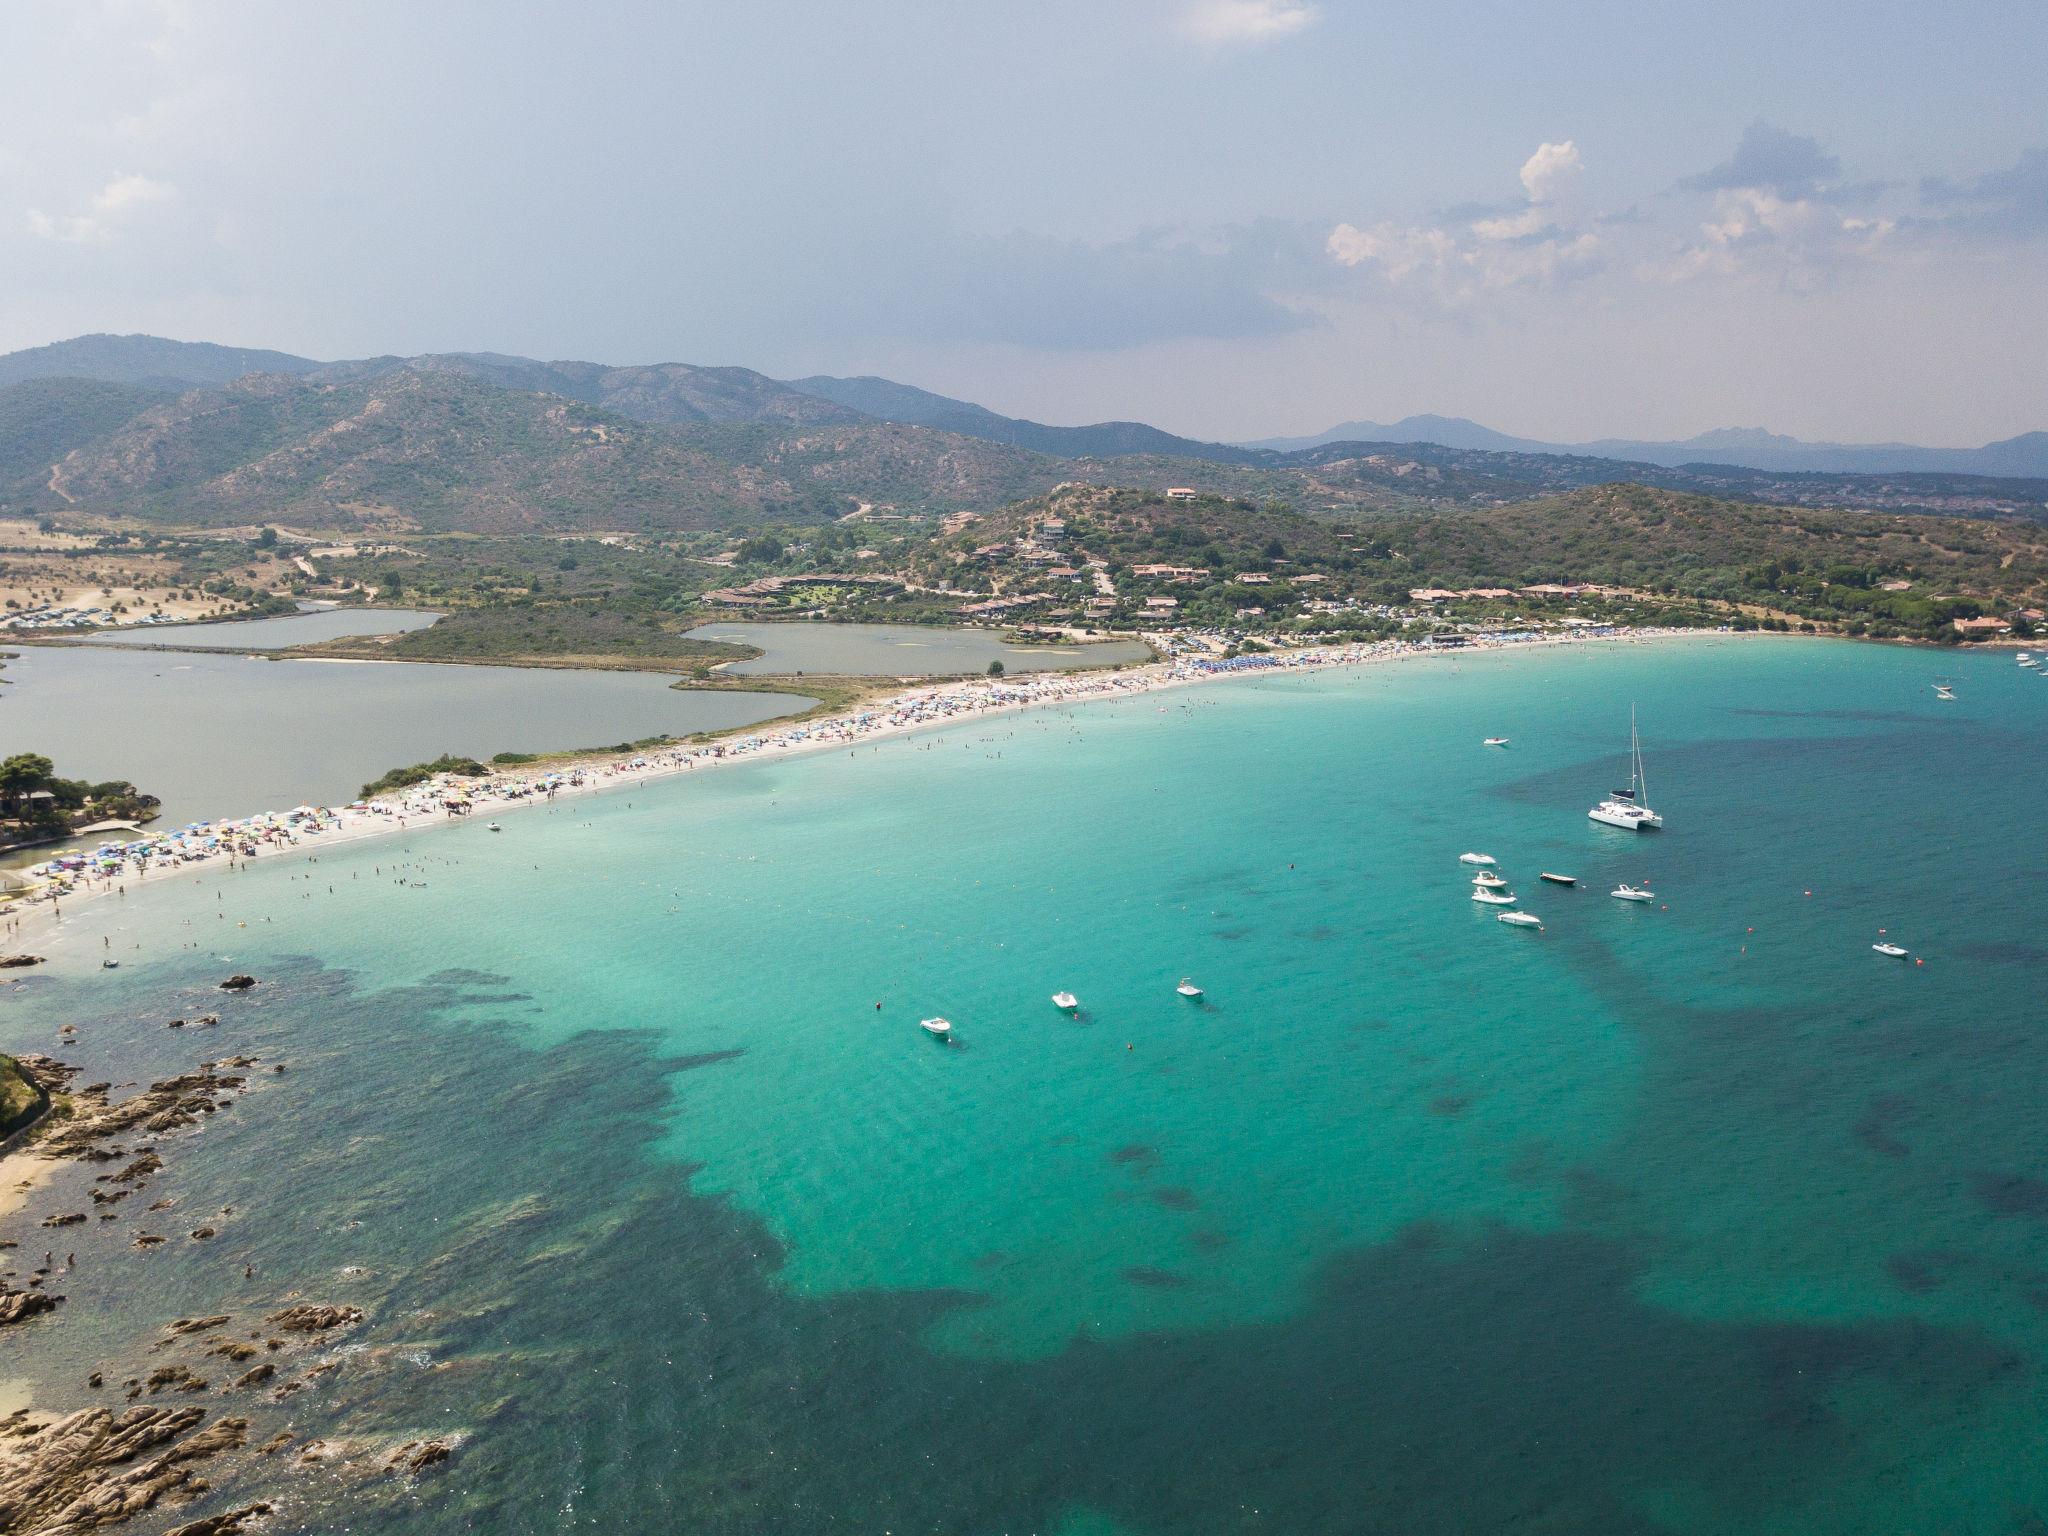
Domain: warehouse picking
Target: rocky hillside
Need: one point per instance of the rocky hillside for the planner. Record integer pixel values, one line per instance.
(442, 449)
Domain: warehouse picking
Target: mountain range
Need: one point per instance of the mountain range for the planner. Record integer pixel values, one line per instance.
(193, 433)
(1748, 447)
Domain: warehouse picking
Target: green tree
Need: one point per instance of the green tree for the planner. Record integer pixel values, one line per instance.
(21, 776)
(995, 669)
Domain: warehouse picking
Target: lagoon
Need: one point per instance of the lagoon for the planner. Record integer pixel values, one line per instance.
(905, 650)
(227, 735)
(274, 633)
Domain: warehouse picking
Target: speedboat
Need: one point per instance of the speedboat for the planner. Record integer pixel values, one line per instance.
(1558, 879)
(1475, 858)
(1495, 741)
(1944, 690)
(1487, 880)
(1627, 892)
(1066, 1002)
(1188, 989)
(942, 1028)
(1896, 951)
(494, 827)
(1493, 898)
(1519, 919)
(1629, 808)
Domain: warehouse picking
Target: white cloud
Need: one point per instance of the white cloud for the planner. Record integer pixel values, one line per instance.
(1245, 21)
(109, 208)
(1550, 171)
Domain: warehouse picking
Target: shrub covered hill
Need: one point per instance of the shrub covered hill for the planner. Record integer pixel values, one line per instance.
(168, 432)
(441, 449)
(1861, 572)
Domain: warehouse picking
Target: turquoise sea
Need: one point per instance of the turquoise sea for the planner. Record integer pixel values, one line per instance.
(1693, 1217)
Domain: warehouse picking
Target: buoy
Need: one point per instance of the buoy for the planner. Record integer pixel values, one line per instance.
(1809, 893)
(1918, 961)
(1128, 1046)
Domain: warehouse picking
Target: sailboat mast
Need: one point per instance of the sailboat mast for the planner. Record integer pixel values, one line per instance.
(1637, 777)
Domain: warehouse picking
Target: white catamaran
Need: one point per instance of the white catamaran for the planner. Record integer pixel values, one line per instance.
(1629, 808)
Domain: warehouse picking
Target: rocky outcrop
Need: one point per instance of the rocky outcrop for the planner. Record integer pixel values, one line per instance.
(222, 1524)
(238, 984)
(417, 1455)
(17, 1306)
(16, 962)
(309, 1318)
(92, 1468)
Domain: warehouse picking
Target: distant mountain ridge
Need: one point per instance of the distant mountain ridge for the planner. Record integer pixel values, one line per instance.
(2025, 456)
(480, 441)
(150, 362)
(890, 401)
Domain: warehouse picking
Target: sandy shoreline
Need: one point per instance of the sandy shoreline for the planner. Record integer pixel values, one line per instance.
(48, 916)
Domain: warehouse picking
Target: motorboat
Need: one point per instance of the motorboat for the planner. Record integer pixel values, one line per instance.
(1475, 858)
(1495, 741)
(494, 827)
(1188, 989)
(1627, 892)
(942, 1028)
(1629, 808)
(1066, 1002)
(1944, 690)
(1558, 879)
(1896, 951)
(1488, 880)
(1519, 919)
(1493, 898)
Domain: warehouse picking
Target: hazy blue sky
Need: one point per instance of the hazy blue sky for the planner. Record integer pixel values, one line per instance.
(1228, 217)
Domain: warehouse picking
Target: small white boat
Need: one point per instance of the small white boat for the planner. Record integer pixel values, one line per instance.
(1519, 919)
(1944, 690)
(1066, 1002)
(942, 1028)
(494, 827)
(1558, 879)
(1896, 951)
(1475, 858)
(1188, 989)
(1495, 741)
(1493, 898)
(1627, 892)
(1488, 880)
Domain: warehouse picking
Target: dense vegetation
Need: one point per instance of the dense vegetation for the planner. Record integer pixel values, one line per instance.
(36, 804)
(419, 773)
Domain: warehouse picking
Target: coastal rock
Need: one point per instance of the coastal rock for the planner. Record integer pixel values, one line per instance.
(201, 1234)
(86, 1470)
(17, 962)
(310, 1318)
(256, 1377)
(189, 1325)
(18, 1306)
(238, 984)
(222, 1524)
(417, 1455)
(225, 1524)
(68, 1219)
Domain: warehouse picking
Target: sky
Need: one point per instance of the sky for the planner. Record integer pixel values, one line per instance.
(1230, 218)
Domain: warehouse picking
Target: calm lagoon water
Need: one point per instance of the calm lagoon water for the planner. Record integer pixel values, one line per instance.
(272, 633)
(231, 734)
(905, 650)
(1696, 1217)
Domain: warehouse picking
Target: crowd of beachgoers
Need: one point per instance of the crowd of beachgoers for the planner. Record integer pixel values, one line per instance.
(113, 865)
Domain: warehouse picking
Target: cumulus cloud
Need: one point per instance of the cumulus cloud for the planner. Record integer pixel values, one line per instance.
(1219, 22)
(1769, 159)
(108, 210)
(2011, 201)
(1549, 171)
(1456, 261)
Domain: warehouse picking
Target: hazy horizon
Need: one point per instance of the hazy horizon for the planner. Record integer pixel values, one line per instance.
(1232, 219)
